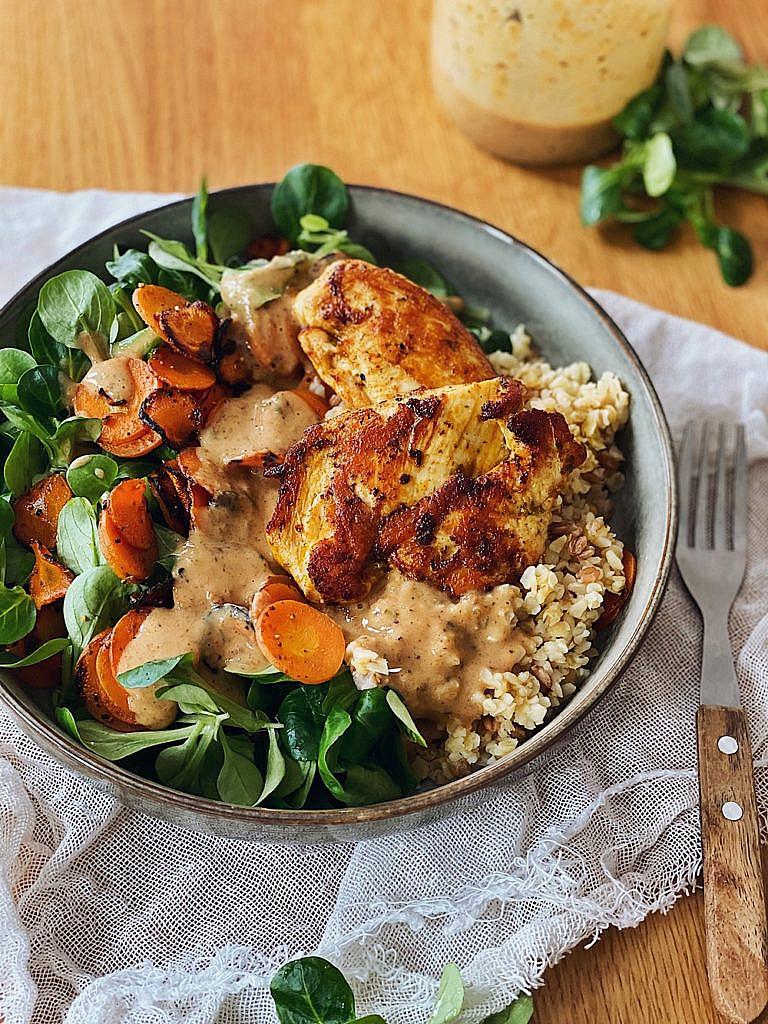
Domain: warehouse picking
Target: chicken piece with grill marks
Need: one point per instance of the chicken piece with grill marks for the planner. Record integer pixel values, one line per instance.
(372, 334)
(347, 474)
(473, 534)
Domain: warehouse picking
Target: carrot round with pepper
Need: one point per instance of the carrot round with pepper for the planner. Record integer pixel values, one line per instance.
(304, 643)
(276, 588)
(122, 432)
(50, 579)
(98, 701)
(149, 300)
(127, 504)
(181, 372)
(37, 511)
(125, 630)
(124, 559)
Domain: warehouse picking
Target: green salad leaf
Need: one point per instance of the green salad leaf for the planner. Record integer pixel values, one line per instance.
(17, 614)
(94, 601)
(518, 1012)
(308, 189)
(450, 996)
(312, 991)
(77, 536)
(14, 363)
(27, 460)
(239, 780)
(92, 476)
(76, 309)
(41, 653)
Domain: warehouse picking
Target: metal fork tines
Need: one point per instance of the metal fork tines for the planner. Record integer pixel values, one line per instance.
(712, 543)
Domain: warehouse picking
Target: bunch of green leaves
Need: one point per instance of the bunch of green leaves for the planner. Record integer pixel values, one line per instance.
(703, 123)
(199, 755)
(309, 208)
(312, 991)
(287, 746)
(350, 742)
(220, 233)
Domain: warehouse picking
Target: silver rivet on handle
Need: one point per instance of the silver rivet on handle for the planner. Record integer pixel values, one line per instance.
(732, 811)
(727, 745)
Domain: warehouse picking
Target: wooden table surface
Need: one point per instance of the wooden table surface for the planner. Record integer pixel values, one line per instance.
(148, 94)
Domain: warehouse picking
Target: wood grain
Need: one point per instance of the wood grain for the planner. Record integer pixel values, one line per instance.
(148, 94)
(734, 901)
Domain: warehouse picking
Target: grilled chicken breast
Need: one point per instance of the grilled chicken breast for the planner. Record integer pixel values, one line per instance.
(347, 474)
(372, 334)
(472, 534)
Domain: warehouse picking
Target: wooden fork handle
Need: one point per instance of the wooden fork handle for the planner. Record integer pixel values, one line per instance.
(734, 900)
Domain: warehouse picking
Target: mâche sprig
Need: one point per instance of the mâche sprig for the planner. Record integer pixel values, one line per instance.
(704, 122)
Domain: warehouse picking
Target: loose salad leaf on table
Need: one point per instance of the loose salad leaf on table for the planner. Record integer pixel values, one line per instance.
(703, 123)
(99, 495)
(312, 991)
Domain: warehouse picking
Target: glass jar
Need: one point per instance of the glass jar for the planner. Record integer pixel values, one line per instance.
(538, 81)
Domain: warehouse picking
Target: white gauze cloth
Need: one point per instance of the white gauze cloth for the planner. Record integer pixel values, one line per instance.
(108, 917)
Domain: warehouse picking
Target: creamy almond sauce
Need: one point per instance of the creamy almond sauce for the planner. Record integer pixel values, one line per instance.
(111, 377)
(539, 81)
(260, 305)
(436, 647)
(226, 558)
(257, 421)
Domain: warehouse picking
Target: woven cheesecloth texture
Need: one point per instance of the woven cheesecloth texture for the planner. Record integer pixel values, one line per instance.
(108, 917)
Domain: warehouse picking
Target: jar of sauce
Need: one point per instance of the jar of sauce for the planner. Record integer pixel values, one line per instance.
(538, 81)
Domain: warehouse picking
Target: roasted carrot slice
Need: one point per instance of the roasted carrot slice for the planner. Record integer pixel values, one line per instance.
(233, 367)
(304, 643)
(45, 674)
(258, 460)
(96, 699)
(178, 370)
(276, 588)
(169, 487)
(114, 694)
(127, 504)
(123, 431)
(613, 603)
(149, 300)
(91, 404)
(317, 404)
(123, 632)
(191, 329)
(125, 560)
(50, 579)
(175, 415)
(37, 511)
(211, 399)
(188, 462)
(137, 447)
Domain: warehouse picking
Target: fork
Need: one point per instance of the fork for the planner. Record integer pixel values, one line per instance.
(711, 555)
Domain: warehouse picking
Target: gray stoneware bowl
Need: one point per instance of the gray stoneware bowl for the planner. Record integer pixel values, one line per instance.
(495, 271)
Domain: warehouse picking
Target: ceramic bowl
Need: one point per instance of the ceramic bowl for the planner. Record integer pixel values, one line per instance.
(517, 285)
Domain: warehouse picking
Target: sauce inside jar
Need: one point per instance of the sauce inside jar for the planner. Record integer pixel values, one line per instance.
(538, 81)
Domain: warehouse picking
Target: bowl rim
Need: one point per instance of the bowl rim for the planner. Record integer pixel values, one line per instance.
(45, 731)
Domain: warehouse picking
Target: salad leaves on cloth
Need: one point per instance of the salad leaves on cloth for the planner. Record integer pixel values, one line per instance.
(89, 528)
(312, 991)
